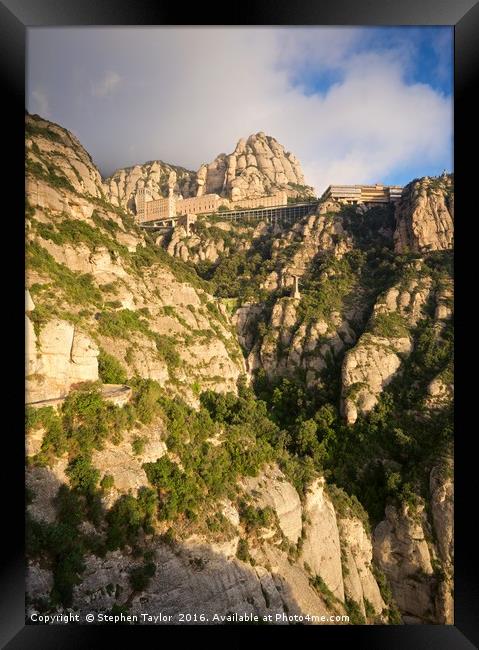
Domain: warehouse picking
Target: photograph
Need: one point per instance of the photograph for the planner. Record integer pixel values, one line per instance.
(239, 325)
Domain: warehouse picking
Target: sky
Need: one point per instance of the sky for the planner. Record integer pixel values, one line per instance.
(354, 104)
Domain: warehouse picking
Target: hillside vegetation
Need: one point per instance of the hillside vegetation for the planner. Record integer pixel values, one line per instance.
(301, 448)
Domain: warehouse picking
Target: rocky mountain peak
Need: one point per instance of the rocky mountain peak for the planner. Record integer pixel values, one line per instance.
(425, 215)
(258, 166)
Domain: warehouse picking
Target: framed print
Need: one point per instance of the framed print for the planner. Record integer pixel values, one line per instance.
(239, 295)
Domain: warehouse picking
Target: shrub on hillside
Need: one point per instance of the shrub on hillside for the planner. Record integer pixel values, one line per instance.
(110, 369)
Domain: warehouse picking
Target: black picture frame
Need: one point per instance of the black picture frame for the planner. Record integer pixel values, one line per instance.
(15, 17)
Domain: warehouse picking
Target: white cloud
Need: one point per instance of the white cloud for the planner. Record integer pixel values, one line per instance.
(361, 129)
(189, 94)
(106, 85)
(40, 102)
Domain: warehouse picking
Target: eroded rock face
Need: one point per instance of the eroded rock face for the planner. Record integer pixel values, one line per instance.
(425, 216)
(190, 577)
(244, 321)
(257, 167)
(322, 232)
(59, 354)
(321, 547)
(291, 345)
(442, 506)
(59, 357)
(272, 489)
(157, 176)
(359, 581)
(402, 535)
(199, 574)
(120, 461)
(417, 553)
(68, 158)
(420, 570)
(377, 357)
(367, 370)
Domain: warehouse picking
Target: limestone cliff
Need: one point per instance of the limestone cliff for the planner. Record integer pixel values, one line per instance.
(425, 215)
(257, 166)
(377, 357)
(416, 552)
(96, 283)
(158, 176)
(374, 361)
(274, 452)
(201, 573)
(57, 359)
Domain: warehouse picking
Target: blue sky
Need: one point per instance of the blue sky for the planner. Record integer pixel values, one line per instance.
(353, 104)
(430, 52)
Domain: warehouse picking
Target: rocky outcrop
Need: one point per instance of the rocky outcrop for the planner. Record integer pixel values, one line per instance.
(257, 167)
(376, 359)
(194, 248)
(271, 489)
(55, 153)
(244, 321)
(57, 357)
(416, 554)
(126, 467)
(157, 176)
(425, 216)
(440, 392)
(357, 553)
(196, 573)
(191, 578)
(291, 344)
(295, 249)
(172, 332)
(367, 370)
(321, 550)
(402, 535)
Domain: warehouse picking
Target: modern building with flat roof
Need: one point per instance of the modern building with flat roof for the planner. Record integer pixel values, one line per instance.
(363, 194)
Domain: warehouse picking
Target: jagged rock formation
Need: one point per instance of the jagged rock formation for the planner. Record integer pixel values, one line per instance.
(321, 550)
(122, 186)
(257, 167)
(59, 357)
(88, 251)
(291, 345)
(360, 585)
(376, 359)
(214, 241)
(206, 576)
(98, 290)
(272, 489)
(320, 233)
(56, 153)
(425, 215)
(417, 554)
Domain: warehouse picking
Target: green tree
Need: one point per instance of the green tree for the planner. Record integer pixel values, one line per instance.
(110, 369)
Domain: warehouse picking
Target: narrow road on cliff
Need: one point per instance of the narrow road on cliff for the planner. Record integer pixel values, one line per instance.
(108, 392)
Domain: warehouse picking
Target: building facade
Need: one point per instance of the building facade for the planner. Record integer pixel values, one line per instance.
(363, 194)
(150, 209)
(199, 204)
